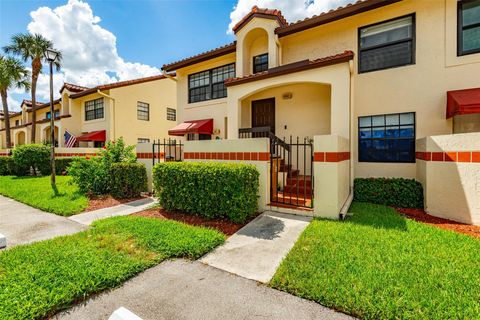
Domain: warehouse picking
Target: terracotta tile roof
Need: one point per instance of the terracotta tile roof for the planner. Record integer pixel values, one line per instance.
(261, 13)
(28, 103)
(44, 105)
(293, 67)
(72, 87)
(332, 15)
(117, 85)
(207, 55)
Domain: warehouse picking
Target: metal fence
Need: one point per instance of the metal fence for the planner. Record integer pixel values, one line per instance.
(167, 150)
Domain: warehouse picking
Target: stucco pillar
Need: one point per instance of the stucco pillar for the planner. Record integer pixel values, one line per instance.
(340, 105)
(234, 107)
(272, 51)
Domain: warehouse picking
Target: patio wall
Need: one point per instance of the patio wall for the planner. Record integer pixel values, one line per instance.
(331, 169)
(448, 167)
(252, 151)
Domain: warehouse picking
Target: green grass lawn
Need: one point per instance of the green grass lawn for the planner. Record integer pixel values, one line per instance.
(380, 265)
(37, 192)
(39, 279)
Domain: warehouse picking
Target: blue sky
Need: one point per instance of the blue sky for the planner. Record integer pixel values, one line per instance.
(105, 41)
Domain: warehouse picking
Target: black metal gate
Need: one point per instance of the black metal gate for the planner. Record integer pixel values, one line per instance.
(291, 172)
(167, 150)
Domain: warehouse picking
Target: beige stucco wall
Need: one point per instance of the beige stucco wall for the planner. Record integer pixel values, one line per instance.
(159, 94)
(451, 189)
(331, 179)
(212, 109)
(305, 114)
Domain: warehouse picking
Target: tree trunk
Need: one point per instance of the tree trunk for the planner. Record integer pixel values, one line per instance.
(6, 118)
(36, 67)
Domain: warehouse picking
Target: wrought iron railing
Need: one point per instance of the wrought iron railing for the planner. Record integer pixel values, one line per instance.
(168, 150)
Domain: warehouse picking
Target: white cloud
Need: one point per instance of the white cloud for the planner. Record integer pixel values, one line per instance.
(89, 51)
(13, 103)
(292, 10)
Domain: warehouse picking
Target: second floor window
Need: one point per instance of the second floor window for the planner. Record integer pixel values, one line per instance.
(94, 109)
(17, 122)
(49, 114)
(468, 27)
(209, 84)
(260, 63)
(171, 114)
(387, 44)
(143, 140)
(143, 111)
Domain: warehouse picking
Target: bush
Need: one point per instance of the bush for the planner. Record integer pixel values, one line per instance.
(34, 157)
(211, 190)
(61, 165)
(396, 192)
(7, 166)
(94, 176)
(90, 175)
(128, 180)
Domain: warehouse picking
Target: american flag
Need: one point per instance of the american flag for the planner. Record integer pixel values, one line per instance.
(69, 139)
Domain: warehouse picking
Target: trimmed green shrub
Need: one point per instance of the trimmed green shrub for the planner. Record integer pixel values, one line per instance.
(128, 180)
(7, 166)
(90, 175)
(61, 165)
(395, 192)
(94, 176)
(35, 157)
(208, 189)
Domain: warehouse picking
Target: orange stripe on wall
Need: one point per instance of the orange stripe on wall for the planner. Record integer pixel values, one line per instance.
(449, 156)
(249, 156)
(331, 156)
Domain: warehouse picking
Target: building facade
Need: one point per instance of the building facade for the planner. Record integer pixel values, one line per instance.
(376, 72)
(139, 110)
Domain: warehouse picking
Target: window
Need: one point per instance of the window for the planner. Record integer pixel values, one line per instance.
(48, 115)
(17, 122)
(468, 27)
(198, 136)
(207, 85)
(143, 111)
(143, 140)
(386, 45)
(171, 114)
(94, 109)
(260, 63)
(387, 138)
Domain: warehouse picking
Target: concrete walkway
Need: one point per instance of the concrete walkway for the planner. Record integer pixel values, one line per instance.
(182, 289)
(23, 224)
(256, 250)
(125, 209)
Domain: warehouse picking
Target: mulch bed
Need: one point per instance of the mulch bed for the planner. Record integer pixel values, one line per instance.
(224, 226)
(95, 203)
(422, 216)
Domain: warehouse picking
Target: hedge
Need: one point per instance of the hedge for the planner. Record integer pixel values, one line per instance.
(208, 189)
(395, 192)
(35, 157)
(8, 167)
(128, 180)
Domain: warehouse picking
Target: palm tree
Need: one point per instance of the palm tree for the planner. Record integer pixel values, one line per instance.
(12, 74)
(32, 47)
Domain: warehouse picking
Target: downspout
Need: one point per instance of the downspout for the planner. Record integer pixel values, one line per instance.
(348, 202)
(113, 112)
(169, 76)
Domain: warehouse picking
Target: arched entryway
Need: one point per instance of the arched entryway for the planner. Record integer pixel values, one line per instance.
(20, 138)
(46, 136)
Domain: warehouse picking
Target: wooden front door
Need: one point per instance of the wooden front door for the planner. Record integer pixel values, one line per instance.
(263, 114)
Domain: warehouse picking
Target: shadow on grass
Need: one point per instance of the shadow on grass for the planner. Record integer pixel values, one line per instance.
(376, 216)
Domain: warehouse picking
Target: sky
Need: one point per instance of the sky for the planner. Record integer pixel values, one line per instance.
(104, 41)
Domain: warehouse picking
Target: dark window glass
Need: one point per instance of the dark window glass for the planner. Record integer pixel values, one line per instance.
(94, 109)
(468, 27)
(98, 144)
(143, 140)
(387, 138)
(260, 63)
(143, 111)
(17, 122)
(199, 136)
(207, 85)
(49, 114)
(171, 114)
(386, 45)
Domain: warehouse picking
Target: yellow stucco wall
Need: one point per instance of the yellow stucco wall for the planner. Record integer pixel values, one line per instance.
(159, 94)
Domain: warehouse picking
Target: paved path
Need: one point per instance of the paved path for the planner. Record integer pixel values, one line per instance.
(125, 209)
(256, 250)
(182, 289)
(23, 224)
